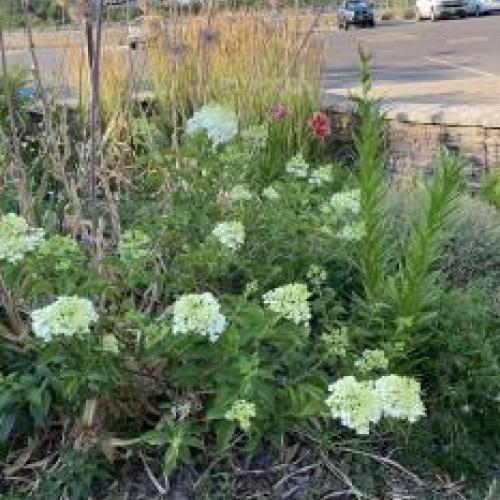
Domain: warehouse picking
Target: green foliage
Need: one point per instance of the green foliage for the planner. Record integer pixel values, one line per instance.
(460, 360)
(76, 476)
(10, 14)
(490, 189)
(374, 246)
(235, 375)
(448, 337)
(471, 255)
(415, 288)
(25, 400)
(410, 289)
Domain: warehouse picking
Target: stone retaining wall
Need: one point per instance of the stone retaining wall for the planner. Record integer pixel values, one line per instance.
(415, 136)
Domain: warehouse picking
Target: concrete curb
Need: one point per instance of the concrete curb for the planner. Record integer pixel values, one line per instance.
(482, 115)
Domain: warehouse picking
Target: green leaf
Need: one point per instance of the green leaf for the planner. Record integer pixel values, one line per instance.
(155, 438)
(7, 421)
(170, 459)
(225, 431)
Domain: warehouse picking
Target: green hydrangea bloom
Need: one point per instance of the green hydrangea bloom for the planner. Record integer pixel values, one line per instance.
(230, 234)
(270, 193)
(400, 397)
(66, 316)
(345, 202)
(240, 193)
(290, 302)
(17, 238)
(297, 166)
(241, 411)
(200, 314)
(355, 403)
(372, 360)
(321, 175)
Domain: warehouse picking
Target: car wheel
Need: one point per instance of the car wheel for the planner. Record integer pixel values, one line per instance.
(371, 24)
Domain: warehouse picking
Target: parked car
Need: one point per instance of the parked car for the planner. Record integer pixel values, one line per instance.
(487, 7)
(474, 8)
(440, 9)
(355, 12)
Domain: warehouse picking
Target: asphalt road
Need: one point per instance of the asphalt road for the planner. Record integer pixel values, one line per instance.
(454, 62)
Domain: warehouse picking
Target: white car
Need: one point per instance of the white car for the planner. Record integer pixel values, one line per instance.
(439, 9)
(489, 6)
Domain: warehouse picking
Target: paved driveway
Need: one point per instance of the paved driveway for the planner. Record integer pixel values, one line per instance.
(452, 62)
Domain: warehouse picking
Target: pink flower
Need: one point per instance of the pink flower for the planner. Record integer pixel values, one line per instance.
(320, 125)
(278, 112)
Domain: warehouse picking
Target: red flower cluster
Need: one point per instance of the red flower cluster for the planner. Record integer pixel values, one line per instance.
(320, 125)
(278, 113)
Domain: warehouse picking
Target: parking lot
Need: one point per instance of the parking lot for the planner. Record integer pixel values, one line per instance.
(450, 62)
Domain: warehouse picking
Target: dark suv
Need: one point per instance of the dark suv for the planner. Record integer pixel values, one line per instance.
(357, 12)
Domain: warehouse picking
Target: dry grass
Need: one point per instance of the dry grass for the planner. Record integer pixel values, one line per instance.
(115, 78)
(246, 60)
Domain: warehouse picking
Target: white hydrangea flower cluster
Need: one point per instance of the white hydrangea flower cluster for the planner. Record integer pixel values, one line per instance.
(134, 245)
(400, 397)
(110, 343)
(241, 411)
(360, 403)
(240, 193)
(316, 275)
(355, 403)
(290, 302)
(199, 314)
(219, 123)
(66, 316)
(17, 238)
(372, 360)
(270, 193)
(230, 234)
(321, 175)
(297, 166)
(345, 202)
